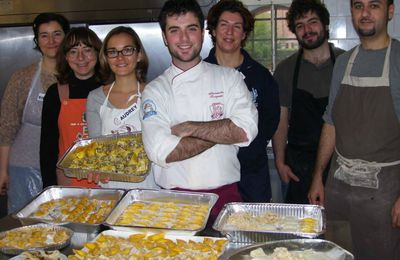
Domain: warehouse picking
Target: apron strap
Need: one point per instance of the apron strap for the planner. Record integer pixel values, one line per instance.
(108, 94)
(359, 162)
(63, 91)
(383, 80)
(359, 173)
(138, 94)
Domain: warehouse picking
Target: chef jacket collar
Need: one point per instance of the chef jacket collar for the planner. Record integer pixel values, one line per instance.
(177, 74)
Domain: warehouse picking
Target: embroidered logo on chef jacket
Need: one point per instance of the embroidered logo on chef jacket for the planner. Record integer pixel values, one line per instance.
(254, 95)
(149, 108)
(217, 111)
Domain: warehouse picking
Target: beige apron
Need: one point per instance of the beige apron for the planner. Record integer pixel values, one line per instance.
(364, 181)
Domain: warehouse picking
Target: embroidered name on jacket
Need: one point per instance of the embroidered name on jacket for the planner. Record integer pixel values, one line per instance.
(127, 113)
(219, 94)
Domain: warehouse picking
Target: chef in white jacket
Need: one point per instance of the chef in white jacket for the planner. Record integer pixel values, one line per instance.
(195, 115)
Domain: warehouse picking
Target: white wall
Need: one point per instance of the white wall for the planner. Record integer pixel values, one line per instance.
(341, 28)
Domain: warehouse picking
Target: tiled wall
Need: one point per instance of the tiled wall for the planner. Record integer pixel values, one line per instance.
(341, 29)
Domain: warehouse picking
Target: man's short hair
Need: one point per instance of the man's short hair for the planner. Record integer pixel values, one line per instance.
(233, 6)
(178, 7)
(299, 8)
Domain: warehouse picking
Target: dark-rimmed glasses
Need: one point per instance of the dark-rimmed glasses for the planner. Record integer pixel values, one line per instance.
(126, 51)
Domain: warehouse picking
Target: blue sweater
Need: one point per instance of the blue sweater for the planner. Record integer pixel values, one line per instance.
(266, 98)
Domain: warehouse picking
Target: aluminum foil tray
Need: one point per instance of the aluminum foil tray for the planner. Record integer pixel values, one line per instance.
(125, 245)
(329, 249)
(258, 235)
(156, 197)
(59, 192)
(54, 246)
(118, 157)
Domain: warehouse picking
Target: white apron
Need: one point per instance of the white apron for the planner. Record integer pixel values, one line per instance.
(115, 120)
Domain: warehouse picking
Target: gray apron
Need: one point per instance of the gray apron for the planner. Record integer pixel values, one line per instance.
(25, 148)
(364, 180)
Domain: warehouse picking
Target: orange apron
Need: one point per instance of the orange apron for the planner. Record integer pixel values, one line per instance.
(72, 126)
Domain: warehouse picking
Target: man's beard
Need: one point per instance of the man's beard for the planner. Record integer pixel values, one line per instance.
(313, 45)
(372, 31)
(366, 33)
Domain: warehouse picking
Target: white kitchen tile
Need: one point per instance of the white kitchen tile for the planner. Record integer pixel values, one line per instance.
(337, 29)
(350, 32)
(343, 7)
(332, 7)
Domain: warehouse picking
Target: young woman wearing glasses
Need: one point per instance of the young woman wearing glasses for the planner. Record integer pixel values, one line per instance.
(64, 106)
(114, 108)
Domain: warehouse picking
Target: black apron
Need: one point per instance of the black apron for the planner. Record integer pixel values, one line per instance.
(305, 126)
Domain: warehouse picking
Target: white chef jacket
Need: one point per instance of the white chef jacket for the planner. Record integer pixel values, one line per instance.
(206, 92)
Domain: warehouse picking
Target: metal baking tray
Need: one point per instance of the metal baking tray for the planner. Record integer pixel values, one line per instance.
(257, 235)
(142, 195)
(59, 192)
(329, 249)
(174, 238)
(55, 246)
(112, 143)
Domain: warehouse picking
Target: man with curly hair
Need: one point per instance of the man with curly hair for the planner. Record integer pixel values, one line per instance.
(304, 80)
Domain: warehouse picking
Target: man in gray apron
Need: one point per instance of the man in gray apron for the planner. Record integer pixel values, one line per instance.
(362, 127)
(304, 80)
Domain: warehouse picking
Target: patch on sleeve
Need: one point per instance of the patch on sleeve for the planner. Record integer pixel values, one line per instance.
(149, 108)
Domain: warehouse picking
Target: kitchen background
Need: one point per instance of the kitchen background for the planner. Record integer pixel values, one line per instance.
(270, 42)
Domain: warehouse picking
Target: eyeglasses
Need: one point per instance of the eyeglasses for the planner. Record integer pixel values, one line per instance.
(126, 51)
(87, 52)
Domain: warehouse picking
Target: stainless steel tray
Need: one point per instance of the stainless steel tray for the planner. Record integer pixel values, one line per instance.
(59, 192)
(142, 195)
(259, 235)
(55, 246)
(330, 249)
(112, 145)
